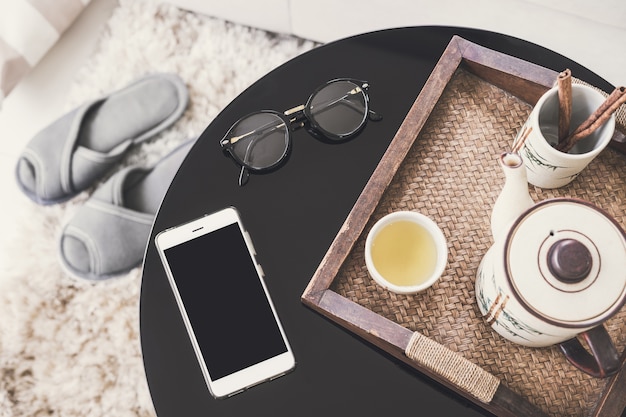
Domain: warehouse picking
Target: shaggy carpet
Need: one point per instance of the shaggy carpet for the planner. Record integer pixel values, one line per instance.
(71, 348)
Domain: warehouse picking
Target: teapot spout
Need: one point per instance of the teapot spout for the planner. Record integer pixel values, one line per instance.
(514, 198)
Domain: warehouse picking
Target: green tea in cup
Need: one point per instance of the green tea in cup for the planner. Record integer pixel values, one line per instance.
(405, 252)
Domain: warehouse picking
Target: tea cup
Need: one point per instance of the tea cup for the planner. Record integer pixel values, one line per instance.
(405, 252)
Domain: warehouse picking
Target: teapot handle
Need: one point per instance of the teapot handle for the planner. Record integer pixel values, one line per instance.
(603, 360)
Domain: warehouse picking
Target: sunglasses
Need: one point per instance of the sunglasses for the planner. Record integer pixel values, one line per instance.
(336, 111)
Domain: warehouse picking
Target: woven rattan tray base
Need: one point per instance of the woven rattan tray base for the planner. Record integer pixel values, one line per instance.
(451, 174)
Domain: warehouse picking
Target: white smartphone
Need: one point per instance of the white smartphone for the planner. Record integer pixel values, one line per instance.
(229, 315)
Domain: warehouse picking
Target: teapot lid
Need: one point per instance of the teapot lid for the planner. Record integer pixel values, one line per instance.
(565, 260)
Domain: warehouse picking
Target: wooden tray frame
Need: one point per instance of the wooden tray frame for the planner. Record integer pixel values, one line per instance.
(520, 78)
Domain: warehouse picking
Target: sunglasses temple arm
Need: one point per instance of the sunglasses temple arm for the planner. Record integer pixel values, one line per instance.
(371, 113)
(244, 175)
(373, 116)
(323, 105)
(265, 129)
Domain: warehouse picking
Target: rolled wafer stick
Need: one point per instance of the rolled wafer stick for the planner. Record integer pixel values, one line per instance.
(595, 120)
(564, 82)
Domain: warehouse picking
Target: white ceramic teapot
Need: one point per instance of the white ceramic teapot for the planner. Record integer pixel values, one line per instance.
(556, 271)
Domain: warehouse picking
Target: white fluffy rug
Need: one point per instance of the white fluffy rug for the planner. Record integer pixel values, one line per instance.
(71, 348)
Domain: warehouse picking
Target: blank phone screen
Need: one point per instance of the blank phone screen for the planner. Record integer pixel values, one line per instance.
(224, 299)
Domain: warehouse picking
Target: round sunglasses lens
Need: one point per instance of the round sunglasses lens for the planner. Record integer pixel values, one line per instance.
(339, 108)
(260, 140)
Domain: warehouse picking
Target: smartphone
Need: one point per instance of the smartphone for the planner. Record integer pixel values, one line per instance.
(223, 300)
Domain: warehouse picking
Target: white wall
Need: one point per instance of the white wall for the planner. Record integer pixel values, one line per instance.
(591, 33)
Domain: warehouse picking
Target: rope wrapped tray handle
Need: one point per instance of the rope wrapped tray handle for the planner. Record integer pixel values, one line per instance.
(453, 367)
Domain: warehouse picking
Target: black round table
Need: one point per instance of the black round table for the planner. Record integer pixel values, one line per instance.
(293, 214)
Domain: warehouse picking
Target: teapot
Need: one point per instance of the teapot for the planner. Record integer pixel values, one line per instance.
(555, 273)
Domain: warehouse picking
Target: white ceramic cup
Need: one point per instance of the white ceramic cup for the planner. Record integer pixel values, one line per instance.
(547, 167)
(405, 252)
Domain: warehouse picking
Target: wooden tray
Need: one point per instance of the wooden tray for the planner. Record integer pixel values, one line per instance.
(443, 162)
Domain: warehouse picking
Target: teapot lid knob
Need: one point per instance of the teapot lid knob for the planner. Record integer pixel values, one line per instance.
(569, 261)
